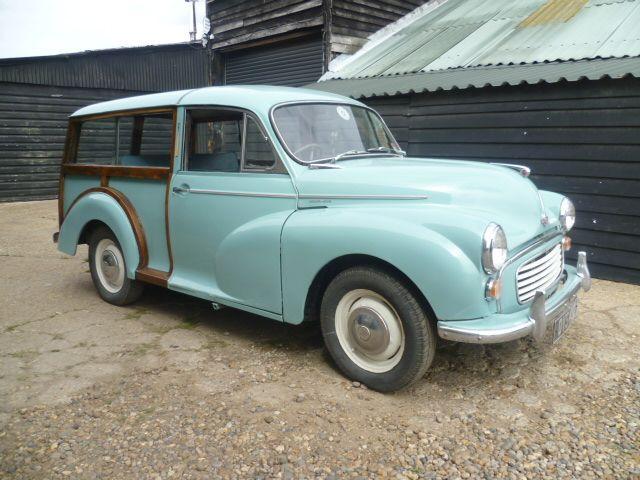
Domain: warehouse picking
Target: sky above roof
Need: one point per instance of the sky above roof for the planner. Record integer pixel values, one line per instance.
(48, 27)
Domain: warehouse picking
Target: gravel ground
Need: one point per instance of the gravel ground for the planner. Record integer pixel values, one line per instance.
(168, 388)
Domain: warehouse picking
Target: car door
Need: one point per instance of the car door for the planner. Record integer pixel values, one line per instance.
(228, 203)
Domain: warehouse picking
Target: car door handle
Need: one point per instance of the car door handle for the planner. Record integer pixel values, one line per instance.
(181, 189)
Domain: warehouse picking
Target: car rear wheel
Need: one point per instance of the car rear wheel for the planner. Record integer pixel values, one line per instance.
(108, 269)
(376, 330)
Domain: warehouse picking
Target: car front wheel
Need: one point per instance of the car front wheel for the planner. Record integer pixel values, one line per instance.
(376, 330)
(108, 269)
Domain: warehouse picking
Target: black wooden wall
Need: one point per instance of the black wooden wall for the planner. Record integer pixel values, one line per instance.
(581, 139)
(33, 127)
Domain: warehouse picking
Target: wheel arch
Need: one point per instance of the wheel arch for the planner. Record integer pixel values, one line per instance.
(330, 270)
(89, 227)
(110, 208)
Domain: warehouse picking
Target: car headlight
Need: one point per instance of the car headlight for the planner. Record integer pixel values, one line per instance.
(494, 248)
(567, 214)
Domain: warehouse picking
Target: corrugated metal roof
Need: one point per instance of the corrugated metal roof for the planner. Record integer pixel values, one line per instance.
(144, 69)
(594, 69)
(469, 33)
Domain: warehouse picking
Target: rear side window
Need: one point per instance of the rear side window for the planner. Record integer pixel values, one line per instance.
(157, 133)
(97, 142)
(135, 141)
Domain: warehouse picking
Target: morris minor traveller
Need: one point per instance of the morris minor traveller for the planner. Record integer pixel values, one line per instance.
(299, 205)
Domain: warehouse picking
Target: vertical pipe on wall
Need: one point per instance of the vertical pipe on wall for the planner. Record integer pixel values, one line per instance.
(327, 11)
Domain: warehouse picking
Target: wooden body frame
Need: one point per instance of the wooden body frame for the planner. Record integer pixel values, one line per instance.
(105, 172)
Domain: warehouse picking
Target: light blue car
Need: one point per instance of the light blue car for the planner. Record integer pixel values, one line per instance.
(300, 206)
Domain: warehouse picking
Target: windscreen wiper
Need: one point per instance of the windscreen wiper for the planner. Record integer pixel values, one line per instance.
(325, 162)
(394, 151)
(348, 154)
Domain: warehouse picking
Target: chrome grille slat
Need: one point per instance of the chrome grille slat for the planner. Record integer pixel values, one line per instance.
(537, 279)
(539, 273)
(535, 263)
(552, 260)
(547, 279)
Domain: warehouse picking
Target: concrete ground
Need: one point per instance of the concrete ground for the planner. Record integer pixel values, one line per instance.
(168, 388)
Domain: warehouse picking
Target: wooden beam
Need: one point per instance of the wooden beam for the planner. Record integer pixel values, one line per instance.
(149, 173)
(315, 22)
(153, 276)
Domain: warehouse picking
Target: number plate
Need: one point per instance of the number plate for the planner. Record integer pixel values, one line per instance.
(569, 311)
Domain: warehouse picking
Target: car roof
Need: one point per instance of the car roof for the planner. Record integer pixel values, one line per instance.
(252, 97)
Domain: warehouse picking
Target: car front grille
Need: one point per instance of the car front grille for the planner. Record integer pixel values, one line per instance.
(539, 273)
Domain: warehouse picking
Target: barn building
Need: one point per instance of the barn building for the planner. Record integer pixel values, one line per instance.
(553, 85)
(291, 42)
(37, 94)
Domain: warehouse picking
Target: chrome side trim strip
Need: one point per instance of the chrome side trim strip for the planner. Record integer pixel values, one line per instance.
(241, 194)
(361, 197)
(306, 196)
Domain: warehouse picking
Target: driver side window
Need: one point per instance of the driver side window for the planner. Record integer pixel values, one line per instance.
(226, 141)
(214, 141)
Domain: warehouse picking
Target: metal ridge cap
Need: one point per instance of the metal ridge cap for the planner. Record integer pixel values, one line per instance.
(483, 77)
(487, 67)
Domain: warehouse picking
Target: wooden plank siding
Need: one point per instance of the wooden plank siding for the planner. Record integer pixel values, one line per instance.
(33, 127)
(580, 139)
(235, 22)
(352, 21)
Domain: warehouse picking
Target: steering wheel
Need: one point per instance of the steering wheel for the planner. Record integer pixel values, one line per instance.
(313, 146)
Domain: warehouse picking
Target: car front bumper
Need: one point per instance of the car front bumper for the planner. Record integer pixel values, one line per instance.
(541, 314)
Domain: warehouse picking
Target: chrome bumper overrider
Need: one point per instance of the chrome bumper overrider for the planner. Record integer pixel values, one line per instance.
(542, 313)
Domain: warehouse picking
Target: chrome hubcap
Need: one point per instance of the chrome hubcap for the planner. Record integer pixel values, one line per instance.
(369, 331)
(109, 265)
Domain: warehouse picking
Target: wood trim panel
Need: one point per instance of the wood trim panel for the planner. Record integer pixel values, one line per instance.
(153, 276)
(136, 135)
(149, 173)
(69, 152)
(122, 113)
(174, 152)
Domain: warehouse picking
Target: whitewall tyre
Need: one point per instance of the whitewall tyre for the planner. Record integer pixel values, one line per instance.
(376, 330)
(108, 269)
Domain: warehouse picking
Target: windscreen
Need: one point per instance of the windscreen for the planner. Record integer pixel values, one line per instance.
(317, 131)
